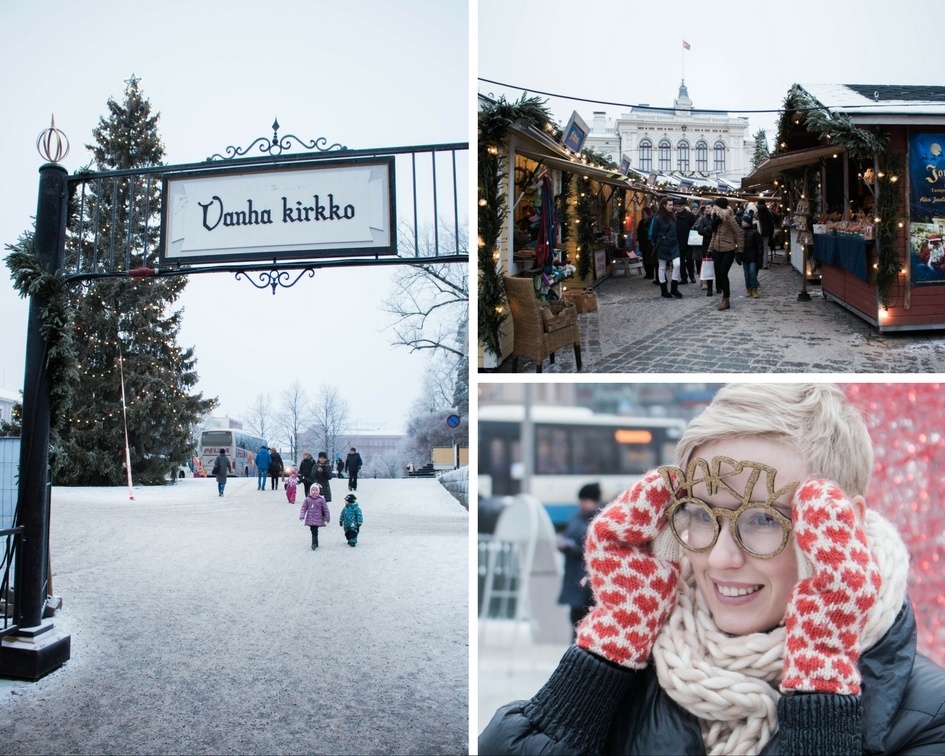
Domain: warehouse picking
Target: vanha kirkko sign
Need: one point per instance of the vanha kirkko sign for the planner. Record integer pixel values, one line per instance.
(261, 213)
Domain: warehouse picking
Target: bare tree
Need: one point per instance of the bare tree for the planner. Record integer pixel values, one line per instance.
(390, 464)
(296, 414)
(330, 420)
(259, 418)
(431, 302)
(438, 380)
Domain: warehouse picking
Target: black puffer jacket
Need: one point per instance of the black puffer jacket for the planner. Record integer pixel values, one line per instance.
(592, 706)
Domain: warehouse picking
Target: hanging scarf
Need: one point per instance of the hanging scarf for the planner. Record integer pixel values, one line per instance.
(547, 222)
(730, 683)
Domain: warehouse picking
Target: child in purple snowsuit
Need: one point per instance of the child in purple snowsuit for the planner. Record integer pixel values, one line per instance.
(291, 485)
(314, 512)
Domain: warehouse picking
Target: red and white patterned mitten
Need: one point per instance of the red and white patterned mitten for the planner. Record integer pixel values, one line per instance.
(828, 610)
(634, 591)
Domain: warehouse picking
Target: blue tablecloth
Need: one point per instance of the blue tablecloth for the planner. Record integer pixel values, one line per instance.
(846, 251)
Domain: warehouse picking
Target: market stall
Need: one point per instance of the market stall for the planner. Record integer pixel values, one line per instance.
(547, 213)
(866, 183)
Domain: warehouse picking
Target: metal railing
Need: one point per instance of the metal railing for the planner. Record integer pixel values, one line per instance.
(10, 537)
(499, 585)
(113, 227)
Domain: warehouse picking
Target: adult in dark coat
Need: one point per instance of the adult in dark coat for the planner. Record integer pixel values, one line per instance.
(751, 256)
(221, 468)
(766, 222)
(307, 470)
(666, 248)
(353, 464)
(575, 591)
(685, 219)
(646, 246)
(323, 470)
(276, 467)
(703, 225)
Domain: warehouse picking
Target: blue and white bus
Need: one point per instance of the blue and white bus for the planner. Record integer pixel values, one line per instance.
(572, 446)
(240, 447)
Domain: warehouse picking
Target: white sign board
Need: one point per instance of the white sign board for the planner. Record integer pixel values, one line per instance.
(335, 208)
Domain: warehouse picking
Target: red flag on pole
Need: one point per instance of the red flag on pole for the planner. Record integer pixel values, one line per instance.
(685, 45)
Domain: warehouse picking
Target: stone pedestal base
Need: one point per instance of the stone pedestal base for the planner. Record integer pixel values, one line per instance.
(34, 652)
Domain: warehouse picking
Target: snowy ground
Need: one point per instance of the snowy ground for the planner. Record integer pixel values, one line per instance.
(207, 625)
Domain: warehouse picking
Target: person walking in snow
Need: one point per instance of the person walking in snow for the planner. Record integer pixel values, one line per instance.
(351, 519)
(221, 468)
(314, 512)
(292, 485)
(262, 467)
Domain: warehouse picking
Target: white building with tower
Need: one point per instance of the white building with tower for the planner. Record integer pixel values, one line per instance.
(701, 146)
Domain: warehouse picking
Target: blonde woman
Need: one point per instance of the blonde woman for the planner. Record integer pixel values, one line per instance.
(747, 601)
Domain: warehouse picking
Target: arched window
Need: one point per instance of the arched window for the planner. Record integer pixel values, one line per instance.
(665, 162)
(682, 156)
(646, 155)
(702, 156)
(719, 153)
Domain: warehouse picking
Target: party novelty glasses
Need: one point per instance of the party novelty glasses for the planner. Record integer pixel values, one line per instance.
(756, 526)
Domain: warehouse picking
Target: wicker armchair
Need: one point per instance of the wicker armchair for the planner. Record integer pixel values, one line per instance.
(531, 340)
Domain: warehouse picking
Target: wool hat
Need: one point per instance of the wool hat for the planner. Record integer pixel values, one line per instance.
(720, 202)
(590, 491)
(350, 498)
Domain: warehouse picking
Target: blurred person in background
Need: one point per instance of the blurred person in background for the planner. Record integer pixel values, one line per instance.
(575, 591)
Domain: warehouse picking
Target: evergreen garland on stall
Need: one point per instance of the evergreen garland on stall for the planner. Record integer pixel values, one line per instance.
(564, 208)
(494, 122)
(873, 143)
(585, 229)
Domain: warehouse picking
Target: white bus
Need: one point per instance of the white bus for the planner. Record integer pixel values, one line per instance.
(240, 447)
(572, 446)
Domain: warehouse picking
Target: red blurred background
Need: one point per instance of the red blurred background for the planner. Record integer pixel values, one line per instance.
(907, 424)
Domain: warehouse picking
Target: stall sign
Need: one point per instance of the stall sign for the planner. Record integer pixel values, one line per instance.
(927, 208)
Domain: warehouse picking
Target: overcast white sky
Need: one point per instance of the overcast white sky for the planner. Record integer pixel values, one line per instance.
(367, 74)
(743, 56)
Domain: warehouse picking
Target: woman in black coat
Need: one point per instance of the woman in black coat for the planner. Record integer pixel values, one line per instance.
(322, 473)
(747, 601)
(646, 246)
(666, 248)
(276, 467)
(307, 470)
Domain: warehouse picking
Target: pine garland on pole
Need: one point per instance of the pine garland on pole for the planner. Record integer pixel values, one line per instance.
(29, 278)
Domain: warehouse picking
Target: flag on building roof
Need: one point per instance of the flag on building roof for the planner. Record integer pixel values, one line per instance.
(685, 45)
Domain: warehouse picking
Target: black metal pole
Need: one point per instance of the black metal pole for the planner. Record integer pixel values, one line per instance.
(33, 505)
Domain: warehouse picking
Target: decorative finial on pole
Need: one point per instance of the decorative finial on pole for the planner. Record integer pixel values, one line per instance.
(52, 144)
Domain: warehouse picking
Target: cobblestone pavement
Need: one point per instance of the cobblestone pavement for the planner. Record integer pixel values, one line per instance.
(635, 330)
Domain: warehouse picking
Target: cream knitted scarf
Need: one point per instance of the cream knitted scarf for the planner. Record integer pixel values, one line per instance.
(730, 683)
